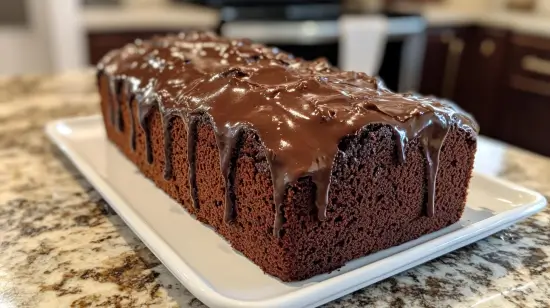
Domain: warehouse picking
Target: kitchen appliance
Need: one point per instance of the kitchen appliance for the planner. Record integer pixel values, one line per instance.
(310, 29)
(362, 43)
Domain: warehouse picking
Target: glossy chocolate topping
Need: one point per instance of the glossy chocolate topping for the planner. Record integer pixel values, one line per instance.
(299, 109)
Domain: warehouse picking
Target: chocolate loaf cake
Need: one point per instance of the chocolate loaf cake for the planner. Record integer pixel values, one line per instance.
(300, 166)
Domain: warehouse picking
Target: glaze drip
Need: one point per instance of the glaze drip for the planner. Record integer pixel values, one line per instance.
(131, 98)
(113, 112)
(279, 187)
(299, 109)
(146, 100)
(192, 124)
(167, 147)
(143, 112)
(130, 86)
(227, 144)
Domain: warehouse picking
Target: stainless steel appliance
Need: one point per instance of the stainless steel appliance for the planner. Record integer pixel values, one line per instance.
(309, 29)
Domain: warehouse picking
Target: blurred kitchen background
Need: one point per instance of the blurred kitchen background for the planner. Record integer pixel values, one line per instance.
(492, 57)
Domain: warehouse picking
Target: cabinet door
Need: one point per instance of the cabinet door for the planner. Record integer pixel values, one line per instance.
(524, 120)
(529, 59)
(480, 77)
(434, 71)
(525, 106)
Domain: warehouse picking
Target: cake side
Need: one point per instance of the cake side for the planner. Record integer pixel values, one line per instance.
(251, 232)
(375, 201)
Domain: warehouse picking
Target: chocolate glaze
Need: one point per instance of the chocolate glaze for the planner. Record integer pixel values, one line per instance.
(299, 109)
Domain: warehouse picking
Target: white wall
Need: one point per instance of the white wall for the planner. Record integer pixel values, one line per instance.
(52, 40)
(24, 48)
(21, 52)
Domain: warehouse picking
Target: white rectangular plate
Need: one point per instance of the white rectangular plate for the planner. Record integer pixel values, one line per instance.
(221, 277)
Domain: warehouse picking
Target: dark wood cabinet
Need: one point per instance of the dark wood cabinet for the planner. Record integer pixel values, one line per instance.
(523, 120)
(529, 58)
(466, 65)
(524, 110)
(480, 79)
(501, 77)
(436, 71)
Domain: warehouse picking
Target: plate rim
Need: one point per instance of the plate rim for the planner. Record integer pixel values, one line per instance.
(346, 282)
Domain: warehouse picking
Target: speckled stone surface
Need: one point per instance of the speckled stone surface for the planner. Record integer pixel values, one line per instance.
(61, 247)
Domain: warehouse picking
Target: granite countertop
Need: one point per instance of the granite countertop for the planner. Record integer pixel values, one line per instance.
(61, 247)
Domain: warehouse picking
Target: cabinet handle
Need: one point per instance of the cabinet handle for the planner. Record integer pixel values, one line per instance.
(535, 64)
(530, 85)
(452, 64)
(487, 47)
